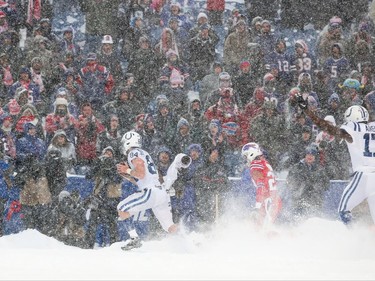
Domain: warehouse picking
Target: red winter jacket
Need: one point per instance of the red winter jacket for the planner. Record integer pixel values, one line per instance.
(215, 5)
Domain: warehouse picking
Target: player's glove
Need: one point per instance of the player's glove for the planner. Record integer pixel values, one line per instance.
(302, 103)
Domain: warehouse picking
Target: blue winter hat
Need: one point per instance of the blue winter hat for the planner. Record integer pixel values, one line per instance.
(215, 123)
(25, 70)
(334, 98)
(182, 122)
(194, 146)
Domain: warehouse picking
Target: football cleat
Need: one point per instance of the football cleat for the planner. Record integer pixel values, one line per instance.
(132, 243)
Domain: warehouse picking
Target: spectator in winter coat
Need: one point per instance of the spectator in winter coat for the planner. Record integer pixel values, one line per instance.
(250, 111)
(7, 74)
(13, 107)
(244, 82)
(214, 139)
(235, 47)
(301, 139)
(210, 82)
(175, 10)
(202, 52)
(27, 114)
(165, 123)
(267, 38)
(96, 81)
(182, 37)
(9, 44)
(195, 117)
(175, 73)
(60, 119)
(69, 45)
(225, 88)
(335, 108)
(88, 128)
(64, 93)
(216, 10)
(185, 188)
(151, 137)
(25, 80)
(110, 58)
(7, 136)
(182, 137)
(202, 19)
(41, 49)
(211, 184)
(144, 65)
(307, 181)
(333, 36)
(100, 20)
(125, 105)
(166, 43)
(111, 137)
(35, 196)
(268, 129)
(61, 142)
(360, 54)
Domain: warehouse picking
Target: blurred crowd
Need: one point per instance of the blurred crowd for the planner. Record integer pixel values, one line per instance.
(190, 78)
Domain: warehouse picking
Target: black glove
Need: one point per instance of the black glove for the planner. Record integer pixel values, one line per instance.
(302, 103)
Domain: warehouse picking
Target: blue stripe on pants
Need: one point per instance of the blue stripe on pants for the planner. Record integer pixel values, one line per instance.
(136, 202)
(349, 192)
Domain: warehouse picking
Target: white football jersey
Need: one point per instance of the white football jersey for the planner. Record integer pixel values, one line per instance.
(362, 149)
(151, 178)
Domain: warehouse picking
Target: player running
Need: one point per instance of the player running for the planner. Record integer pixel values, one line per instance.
(151, 194)
(359, 135)
(268, 203)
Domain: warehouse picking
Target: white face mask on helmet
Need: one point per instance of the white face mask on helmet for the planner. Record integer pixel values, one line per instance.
(131, 139)
(356, 113)
(251, 150)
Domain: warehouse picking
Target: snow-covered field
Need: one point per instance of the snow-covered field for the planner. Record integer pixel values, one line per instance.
(316, 250)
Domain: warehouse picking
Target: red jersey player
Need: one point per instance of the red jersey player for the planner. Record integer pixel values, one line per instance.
(268, 203)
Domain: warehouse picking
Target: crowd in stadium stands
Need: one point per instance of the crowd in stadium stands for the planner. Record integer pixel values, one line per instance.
(189, 78)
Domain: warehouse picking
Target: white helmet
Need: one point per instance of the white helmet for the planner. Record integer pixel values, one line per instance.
(251, 150)
(131, 139)
(356, 113)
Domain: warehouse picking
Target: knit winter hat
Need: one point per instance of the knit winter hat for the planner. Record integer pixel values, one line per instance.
(330, 119)
(202, 15)
(61, 101)
(334, 98)
(182, 122)
(215, 123)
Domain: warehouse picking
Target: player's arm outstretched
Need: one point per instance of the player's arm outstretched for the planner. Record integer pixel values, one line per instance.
(323, 124)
